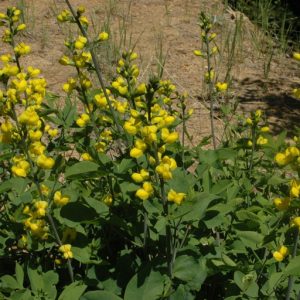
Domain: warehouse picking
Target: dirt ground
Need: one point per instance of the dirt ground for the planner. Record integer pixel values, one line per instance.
(171, 26)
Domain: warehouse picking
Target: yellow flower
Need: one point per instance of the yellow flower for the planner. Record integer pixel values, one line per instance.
(295, 188)
(22, 49)
(83, 20)
(60, 200)
(198, 53)
(41, 207)
(142, 194)
(29, 117)
(136, 153)
(66, 251)
(265, 129)
(145, 192)
(80, 42)
(261, 140)
(45, 162)
(140, 177)
(45, 190)
(176, 197)
(221, 86)
(108, 200)
(164, 171)
(83, 120)
(53, 132)
(64, 16)
(35, 135)
(296, 93)
(296, 55)
(21, 27)
(281, 159)
(141, 89)
(21, 167)
(296, 222)
(258, 113)
(278, 256)
(81, 10)
(140, 144)
(133, 56)
(168, 137)
(100, 101)
(281, 253)
(86, 156)
(282, 203)
(123, 90)
(130, 128)
(209, 76)
(103, 36)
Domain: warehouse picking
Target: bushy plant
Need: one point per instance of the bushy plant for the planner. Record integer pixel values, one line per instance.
(101, 200)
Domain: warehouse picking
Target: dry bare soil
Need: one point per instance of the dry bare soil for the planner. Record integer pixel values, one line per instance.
(170, 27)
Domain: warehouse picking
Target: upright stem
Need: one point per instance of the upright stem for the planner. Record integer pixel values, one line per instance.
(291, 278)
(169, 247)
(168, 228)
(210, 92)
(97, 67)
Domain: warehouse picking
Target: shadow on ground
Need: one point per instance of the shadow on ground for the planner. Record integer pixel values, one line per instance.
(282, 110)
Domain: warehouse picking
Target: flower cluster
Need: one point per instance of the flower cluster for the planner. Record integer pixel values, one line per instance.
(296, 91)
(281, 253)
(209, 50)
(259, 130)
(20, 104)
(35, 221)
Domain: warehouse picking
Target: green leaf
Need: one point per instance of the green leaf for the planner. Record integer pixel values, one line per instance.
(145, 285)
(293, 268)
(185, 267)
(82, 254)
(221, 186)
(77, 212)
(21, 295)
(19, 274)
(182, 182)
(72, 291)
(252, 239)
(82, 168)
(228, 261)
(125, 165)
(9, 282)
(99, 295)
(196, 209)
(246, 282)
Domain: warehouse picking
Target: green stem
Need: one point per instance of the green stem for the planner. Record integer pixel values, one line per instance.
(291, 278)
(210, 92)
(97, 68)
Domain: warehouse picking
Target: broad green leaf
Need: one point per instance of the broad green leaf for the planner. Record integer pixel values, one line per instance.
(9, 282)
(145, 285)
(197, 208)
(125, 165)
(78, 212)
(72, 291)
(100, 295)
(21, 295)
(228, 261)
(293, 268)
(182, 293)
(19, 274)
(81, 168)
(185, 267)
(252, 239)
(247, 283)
